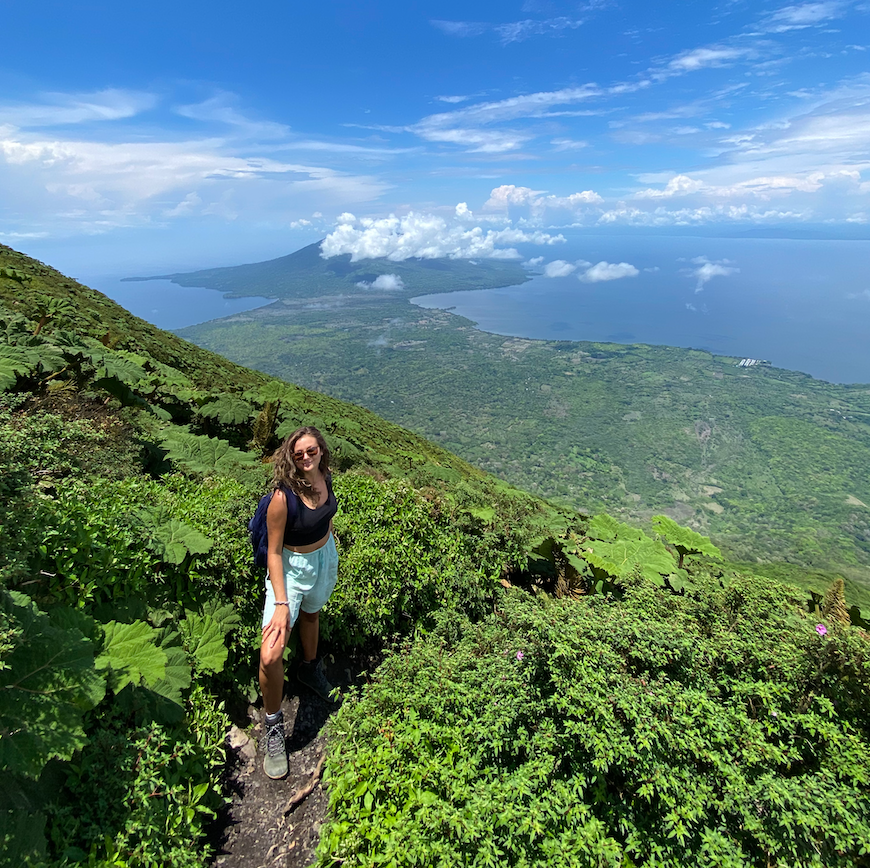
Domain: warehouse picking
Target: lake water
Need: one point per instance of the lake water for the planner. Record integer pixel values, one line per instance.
(803, 305)
(169, 306)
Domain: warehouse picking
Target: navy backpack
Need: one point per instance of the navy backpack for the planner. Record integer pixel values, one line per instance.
(257, 531)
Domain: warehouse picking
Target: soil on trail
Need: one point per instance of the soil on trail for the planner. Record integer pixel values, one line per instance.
(267, 825)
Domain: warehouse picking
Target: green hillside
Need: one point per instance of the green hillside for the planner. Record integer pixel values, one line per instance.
(555, 688)
(771, 463)
(306, 273)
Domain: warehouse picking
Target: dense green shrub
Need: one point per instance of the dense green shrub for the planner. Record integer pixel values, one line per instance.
(659, 730)
(139, 795)
(401, 560)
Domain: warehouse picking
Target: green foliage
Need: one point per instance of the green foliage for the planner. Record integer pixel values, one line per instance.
(203, 454)
(657, 730)
(228, 410)
(771, 464)
(399, 561)
(616, 551)
(205, 633)
(173, 540)
(141, 795)
(683, 539)
(47, 682)
(130, 655)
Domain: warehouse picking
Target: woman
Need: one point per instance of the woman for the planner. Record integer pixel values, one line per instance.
(303, 565)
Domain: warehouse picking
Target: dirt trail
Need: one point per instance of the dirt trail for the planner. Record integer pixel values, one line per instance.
(265, 826)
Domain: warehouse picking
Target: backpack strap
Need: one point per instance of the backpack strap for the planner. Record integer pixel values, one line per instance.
(292, 503)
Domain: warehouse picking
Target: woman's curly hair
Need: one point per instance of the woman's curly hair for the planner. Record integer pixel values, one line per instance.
(286, 473)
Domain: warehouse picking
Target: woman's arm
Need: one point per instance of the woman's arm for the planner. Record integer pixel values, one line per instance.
(277, 629)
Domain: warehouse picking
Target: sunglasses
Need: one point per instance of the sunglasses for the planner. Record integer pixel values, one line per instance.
(311, 451)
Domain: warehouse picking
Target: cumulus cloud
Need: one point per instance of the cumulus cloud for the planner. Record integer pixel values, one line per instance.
(387, 282)
(509, 197)
(608, 271)
(559, 268)
(534, 262)
(864, 295)
(424, 236)
(707, 269)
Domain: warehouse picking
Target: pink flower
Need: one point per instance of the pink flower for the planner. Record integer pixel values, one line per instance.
(821, 629)
(520, 655)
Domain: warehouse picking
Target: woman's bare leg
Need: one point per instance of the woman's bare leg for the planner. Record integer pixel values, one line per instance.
(309, 633)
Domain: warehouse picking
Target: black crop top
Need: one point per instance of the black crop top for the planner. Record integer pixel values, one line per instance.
(310, 525)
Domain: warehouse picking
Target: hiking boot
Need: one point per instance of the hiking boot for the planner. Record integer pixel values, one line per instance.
(311, 675)
(275, 763)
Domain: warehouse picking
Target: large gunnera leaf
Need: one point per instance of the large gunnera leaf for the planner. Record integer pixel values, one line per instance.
(205, 634)
(683, 539)
(131, 656)
(111, 364)
(24, 359)
(203, 454)
(228, 410)
(172, 540)
(47, 681)
(619, 558)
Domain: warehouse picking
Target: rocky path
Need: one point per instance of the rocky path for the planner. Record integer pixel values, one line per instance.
(275, 824)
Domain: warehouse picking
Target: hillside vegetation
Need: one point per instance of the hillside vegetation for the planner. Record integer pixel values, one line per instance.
(770, 463)
(558, 689)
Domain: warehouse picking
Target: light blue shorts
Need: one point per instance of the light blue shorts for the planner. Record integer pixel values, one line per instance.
(309, 579)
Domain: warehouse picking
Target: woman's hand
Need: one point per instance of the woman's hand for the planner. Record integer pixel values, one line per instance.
(278, 628)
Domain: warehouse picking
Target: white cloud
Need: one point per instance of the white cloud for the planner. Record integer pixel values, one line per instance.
(425, 236)
(465, 126)
(534, 262)
(863, 295)
(514, 31)
(452, 99)
(222, 108)
(702, 58)
(462, 29)
(387, 282)
(559, 268)
(608, 271)
(518, 31)
(188, 205)
(708, 269)
(803, 15)
(510, 197)
(763, 188)
(661, 216)
(57, 109)
(76, 185)
(568, 144)
(679, 185)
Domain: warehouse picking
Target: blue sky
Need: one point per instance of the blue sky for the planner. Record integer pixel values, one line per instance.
(188, 134)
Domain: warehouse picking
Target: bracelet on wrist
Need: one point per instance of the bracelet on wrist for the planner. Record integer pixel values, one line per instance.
(282, 602)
